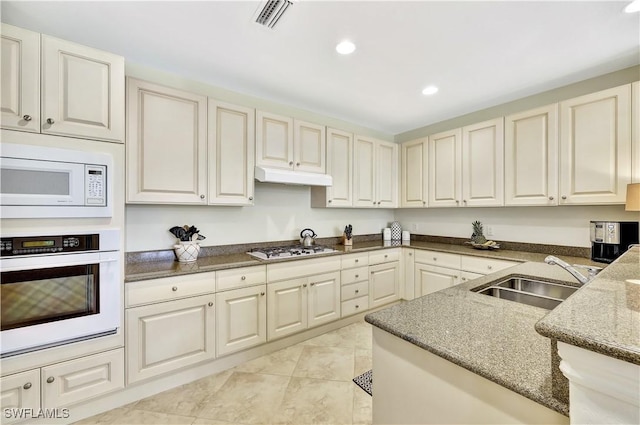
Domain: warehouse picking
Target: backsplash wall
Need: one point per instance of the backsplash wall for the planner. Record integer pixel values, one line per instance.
(280, 213)
(562, 225)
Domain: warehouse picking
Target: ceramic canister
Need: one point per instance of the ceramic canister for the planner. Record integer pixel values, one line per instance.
(386, 234)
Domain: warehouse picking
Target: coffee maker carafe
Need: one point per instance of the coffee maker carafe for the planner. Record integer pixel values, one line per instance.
(611, 239)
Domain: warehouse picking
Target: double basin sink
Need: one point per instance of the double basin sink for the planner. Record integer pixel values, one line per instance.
(547, 295)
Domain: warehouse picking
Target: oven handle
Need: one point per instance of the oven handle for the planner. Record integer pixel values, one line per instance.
(17, 264)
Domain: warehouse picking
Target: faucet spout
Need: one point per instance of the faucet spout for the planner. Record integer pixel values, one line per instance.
(575, 273)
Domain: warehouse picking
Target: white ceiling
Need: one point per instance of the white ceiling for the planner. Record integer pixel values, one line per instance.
(478, 53)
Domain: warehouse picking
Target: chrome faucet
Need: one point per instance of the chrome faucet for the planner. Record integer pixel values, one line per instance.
(593, 271)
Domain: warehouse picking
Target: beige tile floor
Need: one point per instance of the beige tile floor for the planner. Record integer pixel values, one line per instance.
(308, 383)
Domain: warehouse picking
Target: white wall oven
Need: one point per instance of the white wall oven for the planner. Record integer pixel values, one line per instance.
(57, 289)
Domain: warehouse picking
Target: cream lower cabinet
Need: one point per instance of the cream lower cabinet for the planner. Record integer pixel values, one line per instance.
(413, 177)
(430, 279)
(167, 336)
(298, 304)
(241, 319)
(62, 384)
(384, 277)
(595, 147)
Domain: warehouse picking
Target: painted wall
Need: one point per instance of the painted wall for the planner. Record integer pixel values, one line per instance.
(280, 213)
(562, 225)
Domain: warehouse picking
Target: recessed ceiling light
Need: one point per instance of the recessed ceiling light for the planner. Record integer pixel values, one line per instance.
(632, 7)
(345, 47)
(429, 90)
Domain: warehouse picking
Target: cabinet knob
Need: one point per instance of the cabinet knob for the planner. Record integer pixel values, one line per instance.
(304, 285)
(456, 276)
(464, 201)
(27, 385)
(50, 379)
(357, 306)
(435, 258)
(290, 162)
(374, 202)
(50, 121)
(201, 196)
(357, 276)
(210, 304)
(457, 201)
(297, 164)
(243, 278)
(490, 267)
(385, 255)
(251, 198)
(262, 294)
(357, 291)
(329, 201)
(564, 197)
(551, 198)
(410, 254)
(313, 283)
(174, 289)
(27, 118)
(464, 278)
(424, 202)
(357, 260)
(378, 202)
(372, 272)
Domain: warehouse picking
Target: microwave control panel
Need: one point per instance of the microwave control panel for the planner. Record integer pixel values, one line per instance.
(36, 245)
(95, 185)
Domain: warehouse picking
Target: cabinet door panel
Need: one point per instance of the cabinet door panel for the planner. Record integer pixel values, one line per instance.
(414, 174)
(20, 65)
(168, 336)
(595, 147)
(364, 173)
(167, 145)
(82, 91)
(340, 167)
(231, 144)
(324, 298)
(309, 147)
(386, 174)
(241, 319)
(430, 279)
(445, 169)
(635, 132)
(82, 379)
(274, 140)
(286, 308)
(531, 157)
(20, 391)
(384, 283)
(483, 164)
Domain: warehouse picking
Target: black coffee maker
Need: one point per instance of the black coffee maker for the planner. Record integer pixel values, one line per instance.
(611, 239)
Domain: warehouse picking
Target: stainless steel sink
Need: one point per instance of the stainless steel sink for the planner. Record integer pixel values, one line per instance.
(546, 295)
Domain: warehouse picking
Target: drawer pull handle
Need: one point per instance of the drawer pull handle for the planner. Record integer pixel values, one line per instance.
(490, 267)
(262, 294)
(385, 255)
(28, 384)
(357, 276)
(357, 260)
(50, 379)
(210, 304)
(243, 278)
(174, 289)
(357, 290)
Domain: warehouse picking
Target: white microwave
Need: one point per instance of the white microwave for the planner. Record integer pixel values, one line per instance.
(43, 182)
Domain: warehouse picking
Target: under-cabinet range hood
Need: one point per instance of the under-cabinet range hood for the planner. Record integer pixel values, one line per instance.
(275, 175)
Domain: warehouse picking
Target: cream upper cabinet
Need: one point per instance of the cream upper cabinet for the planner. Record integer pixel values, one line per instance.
(445, 169)
(340, 168)
(166, 145)
(635, 132)
(241, 319)
(58, 87)
(595, 147)
(20, 391)
(375, 173)
(231, 144)
(483, 164)
(309, 147)
(82, 91)
(20, 73)
(274, 140)
(531, 157)
(413, 182)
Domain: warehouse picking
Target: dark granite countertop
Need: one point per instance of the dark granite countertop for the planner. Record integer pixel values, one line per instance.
(491, 337)
(604, 315)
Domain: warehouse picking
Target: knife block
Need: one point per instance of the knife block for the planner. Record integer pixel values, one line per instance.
(345, 241)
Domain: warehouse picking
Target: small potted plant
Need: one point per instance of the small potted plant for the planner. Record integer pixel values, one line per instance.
(188, 248)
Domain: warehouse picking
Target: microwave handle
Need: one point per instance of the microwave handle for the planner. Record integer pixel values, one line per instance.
(56, 264)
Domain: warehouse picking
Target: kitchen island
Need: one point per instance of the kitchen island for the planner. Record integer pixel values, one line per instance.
(457, 356)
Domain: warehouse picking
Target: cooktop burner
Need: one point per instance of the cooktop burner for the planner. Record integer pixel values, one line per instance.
(278, 252)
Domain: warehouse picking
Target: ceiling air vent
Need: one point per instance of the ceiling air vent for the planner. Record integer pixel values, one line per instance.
(270, 12)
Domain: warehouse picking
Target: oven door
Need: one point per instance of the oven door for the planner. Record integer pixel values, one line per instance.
(55, 299)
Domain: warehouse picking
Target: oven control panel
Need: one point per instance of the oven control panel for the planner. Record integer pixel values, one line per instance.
(37, 245)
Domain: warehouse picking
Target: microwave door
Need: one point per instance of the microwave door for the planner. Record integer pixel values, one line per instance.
(38, 182)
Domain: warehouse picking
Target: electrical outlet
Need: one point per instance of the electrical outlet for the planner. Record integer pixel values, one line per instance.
(414, 227)
(489, 231)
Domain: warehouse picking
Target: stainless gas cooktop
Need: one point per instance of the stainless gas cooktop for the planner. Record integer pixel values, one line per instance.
(280, 252)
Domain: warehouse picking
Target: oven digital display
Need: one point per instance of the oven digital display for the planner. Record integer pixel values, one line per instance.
(36, 244)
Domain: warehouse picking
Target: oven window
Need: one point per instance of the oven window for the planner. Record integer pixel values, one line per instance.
(32, 297)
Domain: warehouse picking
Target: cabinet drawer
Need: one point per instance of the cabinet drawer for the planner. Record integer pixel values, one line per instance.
(354, 275)
(156, 290)
(485, 265)
(355, 305)
(81, 379)
(300, 268)
(384, 256)
(238, 278)
(355, 260)
(440, 259)
(354, 290)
